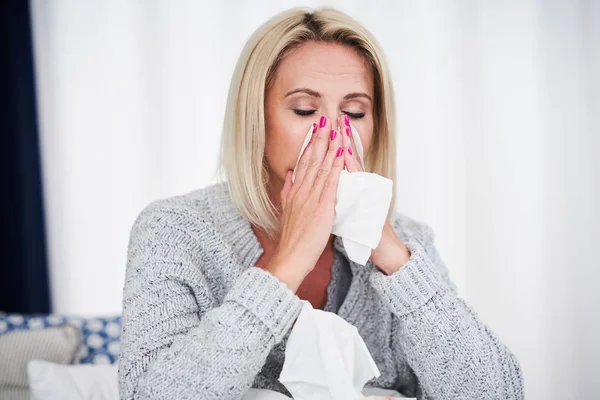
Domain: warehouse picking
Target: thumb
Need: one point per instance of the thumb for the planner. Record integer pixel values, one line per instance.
(287, 186)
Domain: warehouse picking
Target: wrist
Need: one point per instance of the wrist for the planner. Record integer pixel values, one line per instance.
(391, 254)
(396, 258)
(285, 271)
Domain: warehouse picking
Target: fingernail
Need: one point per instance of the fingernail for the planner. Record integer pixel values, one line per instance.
(314, 128)
(332, 134)
(348, 132)
(350, 150)
(323, 121)
(346, 120)
(340, 151)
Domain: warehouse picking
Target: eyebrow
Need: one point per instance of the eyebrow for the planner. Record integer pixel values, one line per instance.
(318, 95)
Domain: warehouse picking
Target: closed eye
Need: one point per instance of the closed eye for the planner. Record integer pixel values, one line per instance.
(304, 112)
(311, 112)
(356, 115)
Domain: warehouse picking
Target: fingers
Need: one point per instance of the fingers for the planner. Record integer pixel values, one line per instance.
(287, 186)
(334, 153)
(330, 181)
(329, 193)
(319, 146)
(303, 161)
(351, 159)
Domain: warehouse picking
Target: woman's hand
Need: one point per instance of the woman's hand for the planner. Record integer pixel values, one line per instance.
(391, 253)
(308, 206)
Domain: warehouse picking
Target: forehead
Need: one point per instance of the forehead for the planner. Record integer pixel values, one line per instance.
(324, 64)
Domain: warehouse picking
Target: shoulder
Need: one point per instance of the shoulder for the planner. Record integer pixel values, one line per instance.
(207, 207)
(409, 228)
(201, 221)
(188, 236)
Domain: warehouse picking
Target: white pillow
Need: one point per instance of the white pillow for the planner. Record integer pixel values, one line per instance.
(50, 381)
(17, 348)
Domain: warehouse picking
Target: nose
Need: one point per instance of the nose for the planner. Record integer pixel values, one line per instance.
(332, 117)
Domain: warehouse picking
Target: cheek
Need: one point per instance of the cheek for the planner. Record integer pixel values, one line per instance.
(365, 130)
(283, 142)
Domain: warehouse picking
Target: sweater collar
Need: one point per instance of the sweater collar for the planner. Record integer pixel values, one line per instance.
(338, 244)
(237, 230)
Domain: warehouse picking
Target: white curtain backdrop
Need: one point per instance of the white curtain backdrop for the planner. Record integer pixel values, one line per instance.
(498, 122)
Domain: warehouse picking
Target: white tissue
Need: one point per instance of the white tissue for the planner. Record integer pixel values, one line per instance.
(369, 393)
(263, 394)
(363, 201)
(325, 358)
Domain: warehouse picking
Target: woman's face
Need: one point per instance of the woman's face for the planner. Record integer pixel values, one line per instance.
(313, 80)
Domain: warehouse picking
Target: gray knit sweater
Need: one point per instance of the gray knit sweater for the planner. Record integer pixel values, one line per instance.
(200, 321)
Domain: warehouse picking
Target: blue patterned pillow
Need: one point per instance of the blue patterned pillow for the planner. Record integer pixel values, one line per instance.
(100, 336)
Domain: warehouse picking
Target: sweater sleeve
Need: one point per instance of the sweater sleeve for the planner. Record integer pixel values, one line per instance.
(178, 341)
(452, 353)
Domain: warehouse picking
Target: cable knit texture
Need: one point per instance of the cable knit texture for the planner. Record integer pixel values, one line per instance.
(200, 321)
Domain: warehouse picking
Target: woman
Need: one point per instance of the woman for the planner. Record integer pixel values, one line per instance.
(215, 277)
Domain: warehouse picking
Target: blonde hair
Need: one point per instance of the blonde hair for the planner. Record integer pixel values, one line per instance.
(243, 162)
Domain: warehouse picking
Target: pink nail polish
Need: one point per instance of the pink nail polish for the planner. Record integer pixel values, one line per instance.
(314, 128)
(350, 150)
(346, 120)
(323, 121)
(348, 132)
(340, 151)
(332, 134)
